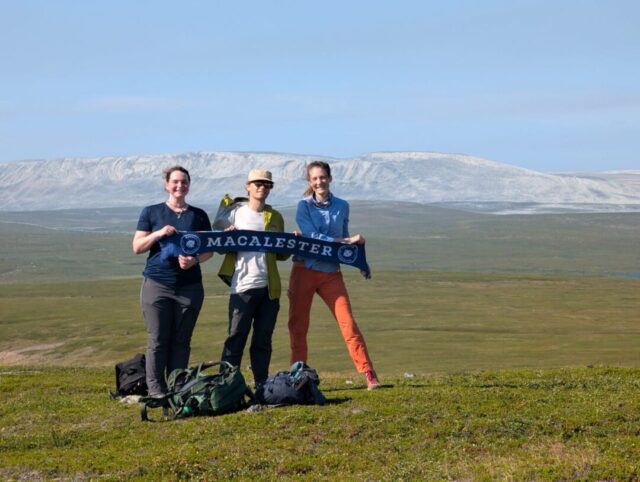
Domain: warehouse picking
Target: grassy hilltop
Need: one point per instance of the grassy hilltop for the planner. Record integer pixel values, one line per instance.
(578, 424)
(508, 346)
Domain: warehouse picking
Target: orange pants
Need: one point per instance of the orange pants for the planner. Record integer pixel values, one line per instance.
(303, 284)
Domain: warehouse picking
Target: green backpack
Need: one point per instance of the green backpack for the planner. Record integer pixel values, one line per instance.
(193, 392)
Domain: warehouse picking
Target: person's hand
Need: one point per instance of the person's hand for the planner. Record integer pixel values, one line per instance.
(297, 233)
(165, 232)
(230, 228)
(356, 239)
(187, 262)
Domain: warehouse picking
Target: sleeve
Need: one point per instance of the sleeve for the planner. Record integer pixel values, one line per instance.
(345, 222)
(305, 223)
(144, 221)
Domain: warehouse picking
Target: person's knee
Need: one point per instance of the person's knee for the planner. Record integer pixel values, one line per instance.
(298, 323)
(181, 342)
(156, 344)
(262, 344)
(237, 334)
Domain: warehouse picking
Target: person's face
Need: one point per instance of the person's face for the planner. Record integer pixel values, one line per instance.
(178, 184)
(259, 189)
(319, 181)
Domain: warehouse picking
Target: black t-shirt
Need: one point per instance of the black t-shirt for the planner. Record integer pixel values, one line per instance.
(168, 272)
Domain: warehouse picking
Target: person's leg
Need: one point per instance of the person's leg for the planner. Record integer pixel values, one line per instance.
(264, 322)
(241, 308)
(301, 291)
(188, 302)
(334, 293)
(157, 310)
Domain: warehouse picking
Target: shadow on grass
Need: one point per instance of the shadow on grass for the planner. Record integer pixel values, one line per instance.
(337, 401)
(384, 386)
(356, 388)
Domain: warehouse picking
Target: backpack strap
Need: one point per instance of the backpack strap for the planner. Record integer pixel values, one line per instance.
(152, 402)
(251, 396)
(205, 365)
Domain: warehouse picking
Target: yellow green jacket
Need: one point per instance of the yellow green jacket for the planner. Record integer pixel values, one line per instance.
(273, 222)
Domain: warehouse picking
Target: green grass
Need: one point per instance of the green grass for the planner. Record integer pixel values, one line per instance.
(568, 424)
(520, 350)
(420, 321)
(33, 254)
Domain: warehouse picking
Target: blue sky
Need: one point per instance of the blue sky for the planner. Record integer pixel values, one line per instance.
(546, 85)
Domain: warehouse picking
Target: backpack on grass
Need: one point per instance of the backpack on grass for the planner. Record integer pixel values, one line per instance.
(193, 392)
(131, 377)
(298, 386)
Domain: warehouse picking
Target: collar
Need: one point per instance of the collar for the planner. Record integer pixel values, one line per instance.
(324, 204)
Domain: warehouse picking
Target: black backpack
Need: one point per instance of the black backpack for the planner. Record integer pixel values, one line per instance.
(298, 386)
(131, 377)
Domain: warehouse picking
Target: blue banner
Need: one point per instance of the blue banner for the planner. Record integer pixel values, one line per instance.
(190, 242)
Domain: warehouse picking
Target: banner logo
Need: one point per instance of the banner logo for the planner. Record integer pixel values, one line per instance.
(348, 253)
(190, 244)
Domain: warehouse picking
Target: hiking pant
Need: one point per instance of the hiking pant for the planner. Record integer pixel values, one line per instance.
(170, 314)
(303, 284)
(251, 308)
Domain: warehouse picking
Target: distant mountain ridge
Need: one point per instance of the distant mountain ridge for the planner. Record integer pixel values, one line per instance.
(421, 177)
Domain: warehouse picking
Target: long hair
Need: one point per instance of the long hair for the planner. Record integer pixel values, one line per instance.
(322, 165)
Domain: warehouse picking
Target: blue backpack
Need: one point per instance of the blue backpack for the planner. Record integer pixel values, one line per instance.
(298, 386)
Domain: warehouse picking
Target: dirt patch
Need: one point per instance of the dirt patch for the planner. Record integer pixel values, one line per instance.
(13, 357)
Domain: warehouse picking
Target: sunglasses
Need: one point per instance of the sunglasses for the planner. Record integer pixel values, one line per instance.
(265, 184)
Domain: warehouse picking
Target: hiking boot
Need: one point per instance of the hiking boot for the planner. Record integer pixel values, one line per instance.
(157, 395)
(372, 380)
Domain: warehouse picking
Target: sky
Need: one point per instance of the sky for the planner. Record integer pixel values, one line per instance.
(549, 85)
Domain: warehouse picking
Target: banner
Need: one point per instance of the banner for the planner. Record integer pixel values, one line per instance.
(191, 242)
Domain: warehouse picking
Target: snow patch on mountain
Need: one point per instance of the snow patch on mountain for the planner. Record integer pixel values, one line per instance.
(421, 177)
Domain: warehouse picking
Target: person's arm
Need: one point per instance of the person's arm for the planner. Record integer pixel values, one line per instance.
(188, 262)
(347, 238)
(355, 239)
(143, 240)
(205, 256)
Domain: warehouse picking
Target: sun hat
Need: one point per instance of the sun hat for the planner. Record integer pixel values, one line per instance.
(260, 175)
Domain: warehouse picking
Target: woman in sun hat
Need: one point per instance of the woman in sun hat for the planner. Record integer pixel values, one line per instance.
(254, 301)
(172, 293)
(324, 216)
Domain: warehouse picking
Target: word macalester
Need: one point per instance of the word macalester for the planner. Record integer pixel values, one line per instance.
(258, 242)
